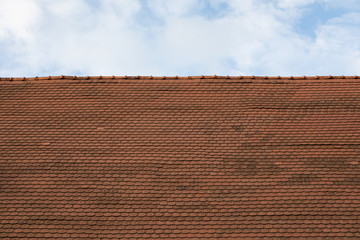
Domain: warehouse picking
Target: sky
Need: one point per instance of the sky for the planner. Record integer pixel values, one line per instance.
(179, 37)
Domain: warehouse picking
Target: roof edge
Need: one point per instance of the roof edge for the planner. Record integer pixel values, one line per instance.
(62, 77)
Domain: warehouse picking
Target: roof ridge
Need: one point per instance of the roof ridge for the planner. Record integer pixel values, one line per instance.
(178, 77)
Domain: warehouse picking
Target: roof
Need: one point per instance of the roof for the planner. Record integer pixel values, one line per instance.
(205, 157)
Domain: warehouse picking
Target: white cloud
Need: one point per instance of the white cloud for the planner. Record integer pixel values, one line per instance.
(174, 8)
(178, 37)
(293, 3)
(17, 22)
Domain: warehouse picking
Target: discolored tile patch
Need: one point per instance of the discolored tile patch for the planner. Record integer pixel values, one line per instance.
(300, 179)
(249, 166)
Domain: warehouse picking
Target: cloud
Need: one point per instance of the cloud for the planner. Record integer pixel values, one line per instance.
(293, 3)
(178, 37)
(15, 22)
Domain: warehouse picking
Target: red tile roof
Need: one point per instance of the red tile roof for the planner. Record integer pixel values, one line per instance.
(180, 158)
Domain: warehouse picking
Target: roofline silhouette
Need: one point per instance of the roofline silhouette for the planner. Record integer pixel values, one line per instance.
(63, 77)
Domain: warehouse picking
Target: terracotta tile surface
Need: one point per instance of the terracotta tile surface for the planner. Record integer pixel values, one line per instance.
(203, 157)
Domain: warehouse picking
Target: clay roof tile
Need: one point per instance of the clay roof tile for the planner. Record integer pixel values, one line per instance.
(198, 157)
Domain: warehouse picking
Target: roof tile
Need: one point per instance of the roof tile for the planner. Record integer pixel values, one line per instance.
(201, 157)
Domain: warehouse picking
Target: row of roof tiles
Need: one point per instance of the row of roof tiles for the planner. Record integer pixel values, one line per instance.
(178, 77)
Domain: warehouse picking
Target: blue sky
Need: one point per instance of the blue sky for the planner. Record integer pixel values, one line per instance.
(179, 37)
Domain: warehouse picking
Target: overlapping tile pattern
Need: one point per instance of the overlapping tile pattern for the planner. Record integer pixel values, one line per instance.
(180, 158)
